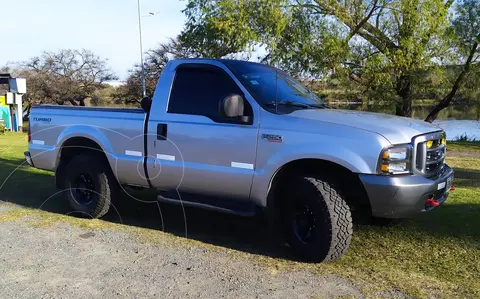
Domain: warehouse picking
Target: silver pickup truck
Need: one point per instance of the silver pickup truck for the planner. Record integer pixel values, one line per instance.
(244, 138)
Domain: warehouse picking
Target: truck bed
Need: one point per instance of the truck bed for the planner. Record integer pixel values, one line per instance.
(119, 131)
(90, 108)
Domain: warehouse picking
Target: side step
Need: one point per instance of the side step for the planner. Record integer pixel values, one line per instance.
(224, 205)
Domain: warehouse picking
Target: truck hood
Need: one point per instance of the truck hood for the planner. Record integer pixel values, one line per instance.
(395, 129)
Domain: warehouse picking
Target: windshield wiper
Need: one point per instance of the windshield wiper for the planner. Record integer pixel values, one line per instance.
(297, 104)
(319, 105)
(289, 104)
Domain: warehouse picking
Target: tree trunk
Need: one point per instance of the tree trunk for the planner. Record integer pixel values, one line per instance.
(445, 102)
(365, 101)
(404, 90)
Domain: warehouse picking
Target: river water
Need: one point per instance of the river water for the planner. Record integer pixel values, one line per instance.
(457, 120)
(456, 128)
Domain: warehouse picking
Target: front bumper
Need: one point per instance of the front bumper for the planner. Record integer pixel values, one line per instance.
(404, 196)
(28, 158)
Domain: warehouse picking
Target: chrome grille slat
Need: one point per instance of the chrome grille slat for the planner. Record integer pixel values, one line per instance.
(434, 161)
(423, 156)
(429, 162)
(437, 147)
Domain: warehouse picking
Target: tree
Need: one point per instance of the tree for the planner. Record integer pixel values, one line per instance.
(201, 42)
(378, 43)
(66, 76)
(466, 28)
(155, 62)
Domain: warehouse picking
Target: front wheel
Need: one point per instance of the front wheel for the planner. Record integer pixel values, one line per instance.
(318, 222)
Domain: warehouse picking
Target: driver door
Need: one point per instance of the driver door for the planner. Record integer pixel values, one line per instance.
(203, 152)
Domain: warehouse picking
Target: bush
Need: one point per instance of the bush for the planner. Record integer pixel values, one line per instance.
(3, 128)
(465, 138)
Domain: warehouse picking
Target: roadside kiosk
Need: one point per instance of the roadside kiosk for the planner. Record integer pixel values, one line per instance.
(11, 108)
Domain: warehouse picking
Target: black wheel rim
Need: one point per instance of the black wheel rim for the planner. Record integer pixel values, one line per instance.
(304, 222)
(83, 189)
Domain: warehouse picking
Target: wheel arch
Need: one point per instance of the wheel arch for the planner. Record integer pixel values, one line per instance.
(356, 196)
(70, 148)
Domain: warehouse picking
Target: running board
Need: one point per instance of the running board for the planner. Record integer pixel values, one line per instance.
(228, 206)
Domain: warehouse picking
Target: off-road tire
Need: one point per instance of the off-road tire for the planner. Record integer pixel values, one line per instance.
(333, 229)
(105, 185)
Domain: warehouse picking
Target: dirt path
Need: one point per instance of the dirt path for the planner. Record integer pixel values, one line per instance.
(463, 154)
(72, 262)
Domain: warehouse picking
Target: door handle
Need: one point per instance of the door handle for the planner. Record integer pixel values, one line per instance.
(161, 131)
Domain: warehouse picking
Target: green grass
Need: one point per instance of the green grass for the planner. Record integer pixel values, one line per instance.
(436, 254)
(464, 146)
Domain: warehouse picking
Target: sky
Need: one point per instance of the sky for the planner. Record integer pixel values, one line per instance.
(107, 27)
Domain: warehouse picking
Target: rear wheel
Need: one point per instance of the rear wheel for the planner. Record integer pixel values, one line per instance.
(318, 222)
(89, 185)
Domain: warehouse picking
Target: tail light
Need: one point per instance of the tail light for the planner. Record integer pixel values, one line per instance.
(29, 134)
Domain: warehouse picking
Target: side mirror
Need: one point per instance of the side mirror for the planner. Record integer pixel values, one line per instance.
(146, 104)
(233, 106)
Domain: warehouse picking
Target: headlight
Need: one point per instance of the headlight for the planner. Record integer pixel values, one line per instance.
(395, 160)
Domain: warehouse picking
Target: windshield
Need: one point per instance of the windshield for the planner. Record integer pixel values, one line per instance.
(273, 88)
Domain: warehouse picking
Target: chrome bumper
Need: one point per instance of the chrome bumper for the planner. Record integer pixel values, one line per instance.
(404, 196)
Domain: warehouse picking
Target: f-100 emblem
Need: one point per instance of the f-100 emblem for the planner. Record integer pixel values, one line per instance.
(272, 138)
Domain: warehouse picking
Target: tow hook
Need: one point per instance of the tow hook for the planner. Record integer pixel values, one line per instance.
(452, 188)
(432, 202)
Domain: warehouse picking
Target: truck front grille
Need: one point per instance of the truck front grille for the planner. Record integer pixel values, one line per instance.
(429, 154)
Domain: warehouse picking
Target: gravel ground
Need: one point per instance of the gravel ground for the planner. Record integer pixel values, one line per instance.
(71, 262)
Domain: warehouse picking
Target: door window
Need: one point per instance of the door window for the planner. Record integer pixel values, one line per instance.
(201, 90)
